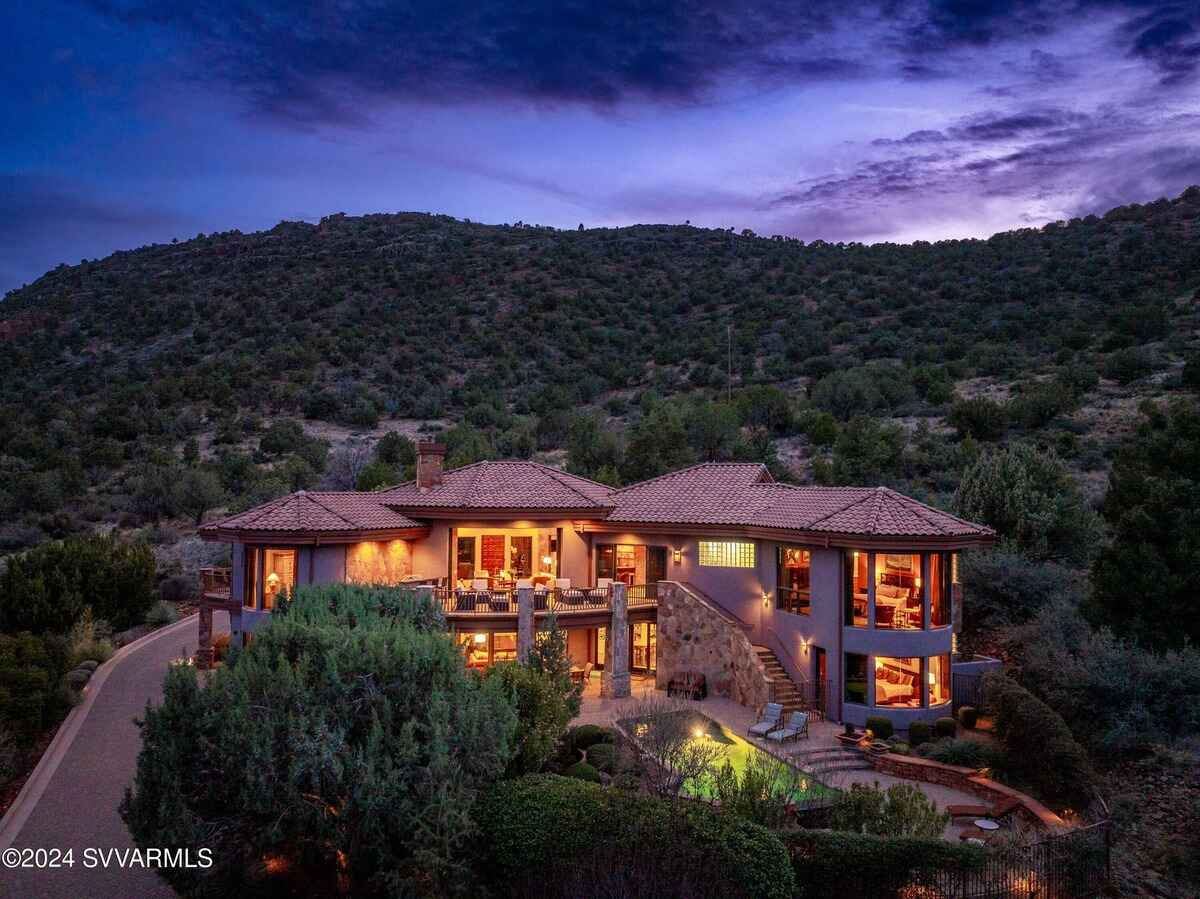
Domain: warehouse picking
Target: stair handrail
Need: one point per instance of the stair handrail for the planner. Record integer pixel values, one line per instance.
(774, 636)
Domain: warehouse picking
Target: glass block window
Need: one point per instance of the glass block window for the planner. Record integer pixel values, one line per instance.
(726, 554)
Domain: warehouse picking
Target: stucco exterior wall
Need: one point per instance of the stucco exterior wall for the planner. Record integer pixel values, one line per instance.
(237, 573)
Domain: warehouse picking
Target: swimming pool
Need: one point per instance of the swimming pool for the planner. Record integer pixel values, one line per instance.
(737, 751)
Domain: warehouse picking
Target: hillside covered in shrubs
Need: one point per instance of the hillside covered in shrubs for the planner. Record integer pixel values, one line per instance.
(178, 378)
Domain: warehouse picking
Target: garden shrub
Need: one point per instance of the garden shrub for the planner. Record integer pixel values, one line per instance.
(161, 614)
(945, 727)
(880, 726)
(964, 753)
(583, 736)
(551, 836)
(32, 696)
(861, 866)
(603, 757)
(543, 708)
(901, 810)
(628, 782)
(89, 640)
(968, 716)
(583, 771)
(47, 588)
(918, 733)
(178, 588)
(351, 743)
(1040, 747)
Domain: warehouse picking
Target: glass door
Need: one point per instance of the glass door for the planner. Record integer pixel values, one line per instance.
(645, 646)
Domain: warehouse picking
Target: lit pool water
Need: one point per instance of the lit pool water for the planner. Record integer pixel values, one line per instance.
(737, 751)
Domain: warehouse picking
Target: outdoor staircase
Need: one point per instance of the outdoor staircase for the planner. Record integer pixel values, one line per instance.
(783, 688)
(830, 759)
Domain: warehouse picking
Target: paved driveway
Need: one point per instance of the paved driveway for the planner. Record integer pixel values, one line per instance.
(78, 808)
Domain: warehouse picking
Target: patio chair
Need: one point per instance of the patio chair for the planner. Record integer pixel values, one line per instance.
(604, 583)
(464, 601)
(498, 602)
(796, 728)
(480, 584)
(770, 720)
(524, 583)
(587, 673)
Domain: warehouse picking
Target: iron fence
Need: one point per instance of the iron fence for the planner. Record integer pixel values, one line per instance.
(966, 689)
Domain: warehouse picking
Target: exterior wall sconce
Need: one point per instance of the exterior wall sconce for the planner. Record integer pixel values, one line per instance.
(766, 600)
(677, 556)
(804, 641)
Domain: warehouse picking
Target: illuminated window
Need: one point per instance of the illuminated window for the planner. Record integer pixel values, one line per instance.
(898, 682)
(898, 596)
(939, 680)
(279, 567)
(726, 554)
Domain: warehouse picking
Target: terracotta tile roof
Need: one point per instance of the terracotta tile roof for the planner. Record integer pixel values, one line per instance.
(733, 494)
(718, 494)
(513, 484)
(305, 512)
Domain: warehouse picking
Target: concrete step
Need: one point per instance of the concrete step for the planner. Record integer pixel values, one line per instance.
(860, 764)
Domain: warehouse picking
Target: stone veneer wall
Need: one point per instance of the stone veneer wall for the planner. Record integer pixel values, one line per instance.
(968, 780)
(694, 635)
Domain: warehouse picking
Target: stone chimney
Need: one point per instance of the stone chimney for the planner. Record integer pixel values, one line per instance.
(429, 464)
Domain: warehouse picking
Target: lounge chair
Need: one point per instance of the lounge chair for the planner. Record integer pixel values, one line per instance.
(797, 727)
(770, 720)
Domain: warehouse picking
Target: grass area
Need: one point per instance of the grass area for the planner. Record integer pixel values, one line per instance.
(738, 752)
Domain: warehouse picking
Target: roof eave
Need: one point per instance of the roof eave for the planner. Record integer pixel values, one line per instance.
(305, 538)
(800, 535)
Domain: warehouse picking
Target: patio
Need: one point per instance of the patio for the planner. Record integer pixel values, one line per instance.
(596, 709)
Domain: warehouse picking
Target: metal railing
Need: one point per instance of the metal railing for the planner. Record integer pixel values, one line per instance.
(215, 582)
(464, 601)
(966, 689)
(797, 602)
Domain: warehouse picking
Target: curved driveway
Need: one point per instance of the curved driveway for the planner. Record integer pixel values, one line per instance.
(77, 808)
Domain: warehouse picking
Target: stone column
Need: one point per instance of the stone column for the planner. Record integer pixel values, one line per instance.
(524, 623)
(204, 647)
(614, 683)
(425, 592)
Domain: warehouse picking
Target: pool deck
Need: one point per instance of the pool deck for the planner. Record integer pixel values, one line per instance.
(738, 718)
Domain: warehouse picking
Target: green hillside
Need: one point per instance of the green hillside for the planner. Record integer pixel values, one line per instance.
(123, 375)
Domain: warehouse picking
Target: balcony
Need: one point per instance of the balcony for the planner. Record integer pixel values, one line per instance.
(460, 602)
(215, 583)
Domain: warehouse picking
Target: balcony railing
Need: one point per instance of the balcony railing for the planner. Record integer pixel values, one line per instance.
(215, 582)
(461, 601)
(798, 602)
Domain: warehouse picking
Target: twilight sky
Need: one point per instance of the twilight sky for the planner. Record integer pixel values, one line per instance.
(127, 122)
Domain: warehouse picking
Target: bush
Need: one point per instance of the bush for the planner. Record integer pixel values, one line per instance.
(543, 706)
(980, 418)
(31, 694)
(899, 811)
(161, 614)
(47, 588)
(603, 757)
(583, 771)
(1119, 698)
(963, 753)
(858, 866)
(1040, 747)
(352, 743)
(1032, 500)
(918, 733)
(879, 726)
(558, 837)
(584, 736)
(178, 588)
(945, 727)
(628, 782)
(968, 716)
(1006, 587)
(89, 640)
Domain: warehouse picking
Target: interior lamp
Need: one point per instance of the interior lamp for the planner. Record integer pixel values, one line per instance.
(547, 561)
(481, 638)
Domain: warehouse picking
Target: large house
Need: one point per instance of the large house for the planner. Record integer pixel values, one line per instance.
(840, 599)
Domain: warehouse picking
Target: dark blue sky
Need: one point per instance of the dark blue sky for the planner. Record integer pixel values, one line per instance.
(128, 122)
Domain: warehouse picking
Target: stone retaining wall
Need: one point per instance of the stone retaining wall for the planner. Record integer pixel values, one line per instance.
(968, 780)
(693, 635)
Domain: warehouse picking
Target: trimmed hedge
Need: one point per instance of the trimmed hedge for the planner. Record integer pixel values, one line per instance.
(857, 866)
(583, 771)
(918, 732)
(603, 757)
(968, 716)
(880, 726)
(945, 727)
(584, 736)
(1041, 749)
(552, 836)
